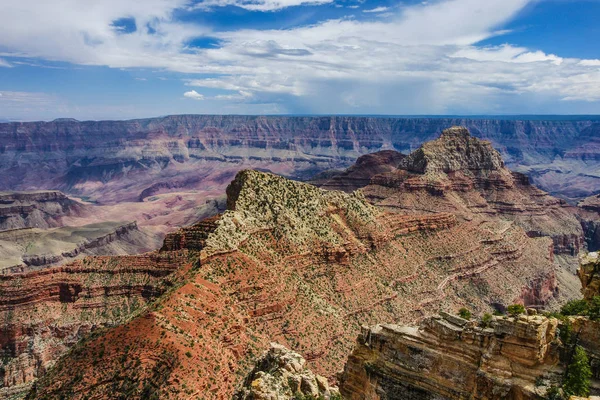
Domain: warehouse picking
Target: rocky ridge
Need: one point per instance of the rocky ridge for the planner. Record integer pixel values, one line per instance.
(46, 312)
(449, 357)
(297, 265)
(28, 249)
(460, 174)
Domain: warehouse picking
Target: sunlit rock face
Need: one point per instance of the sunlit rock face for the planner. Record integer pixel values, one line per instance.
(290, 263)
(460, 174)
(448, 357)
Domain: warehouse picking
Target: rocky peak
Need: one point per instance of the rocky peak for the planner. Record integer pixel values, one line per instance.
(258, 200)
(455, 150)
(282, 374)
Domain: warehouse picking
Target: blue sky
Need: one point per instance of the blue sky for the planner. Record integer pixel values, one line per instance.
(118, 59)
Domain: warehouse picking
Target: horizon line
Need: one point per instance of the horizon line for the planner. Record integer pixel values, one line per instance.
(515, 117)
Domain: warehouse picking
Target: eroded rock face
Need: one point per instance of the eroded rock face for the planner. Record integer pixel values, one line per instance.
(136, 158)
(281, 374)
(450, 358)
(590, 221)
(460, 174)
(41, 209)
(46, 312)
(291, 263)
(589, 274)
(360, 173)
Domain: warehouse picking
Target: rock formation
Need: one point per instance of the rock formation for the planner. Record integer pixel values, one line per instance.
(449, 357)
(41, 209)
(297, 265)
(589, 275)
(29, 249)
(281, 374)
(465, 176)
(45, 312)
(589, 216)
(360, 173)
(112, 161)
(591, 203)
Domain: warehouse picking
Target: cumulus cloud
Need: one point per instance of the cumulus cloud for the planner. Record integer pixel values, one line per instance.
(424, 59)
(192, 94)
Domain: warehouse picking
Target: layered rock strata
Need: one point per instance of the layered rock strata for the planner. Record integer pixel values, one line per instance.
(41, 209)
(128, 160)
(46, 312)
(589, 216)
(448, 357)
(29, 249)
(465, 176)
(290, 263)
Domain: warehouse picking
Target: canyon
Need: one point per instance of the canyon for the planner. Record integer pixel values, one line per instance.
(306, 268)
(43, 228)
(448, 357)
(115, 161)
(462, 175)
(393, 239)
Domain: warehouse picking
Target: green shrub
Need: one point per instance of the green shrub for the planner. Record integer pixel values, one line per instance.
(579, 374)
(554, 393)
(539, 381)
(575, 307)
(565, 332)
(515, 310)
(486, 320)
(464, 313)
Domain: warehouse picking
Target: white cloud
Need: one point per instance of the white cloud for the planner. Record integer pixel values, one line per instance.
(192, 94)
(590, 63)
(424, 59)
(4, 63)
(506, 53)
(258, 5)
(376, 10)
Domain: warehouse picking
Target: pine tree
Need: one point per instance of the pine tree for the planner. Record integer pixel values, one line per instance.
(577, 381)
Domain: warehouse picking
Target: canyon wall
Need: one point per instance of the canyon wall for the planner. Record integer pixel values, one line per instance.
(111, 161)
(451, 358)
(303, 267)
(40, 209)
(465, 176)
(46, 312)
